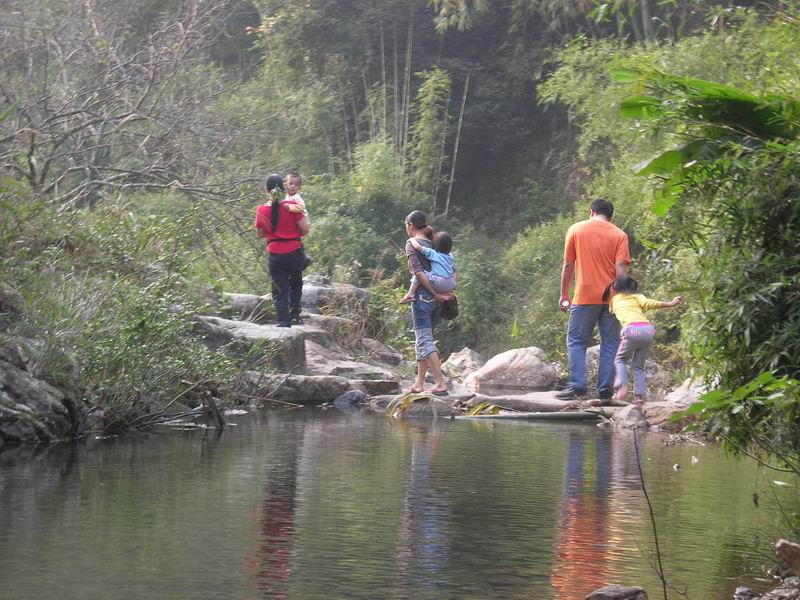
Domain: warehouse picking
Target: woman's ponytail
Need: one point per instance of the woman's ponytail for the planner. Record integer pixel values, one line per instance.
(427, 231)
(274, 182)
(275, 215)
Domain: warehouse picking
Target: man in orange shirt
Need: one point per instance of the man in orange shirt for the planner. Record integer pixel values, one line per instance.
(595, 251)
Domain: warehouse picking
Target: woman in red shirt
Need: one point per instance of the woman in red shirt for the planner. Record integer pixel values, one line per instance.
(283, 229)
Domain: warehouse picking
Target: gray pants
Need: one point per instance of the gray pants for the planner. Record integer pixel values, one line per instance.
(637, 339)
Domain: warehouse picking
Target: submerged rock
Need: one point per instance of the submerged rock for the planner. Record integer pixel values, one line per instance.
(630, 417)
(614, 592)
(351, 399)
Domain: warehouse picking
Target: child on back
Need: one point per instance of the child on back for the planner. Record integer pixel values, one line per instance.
(637, 334)
(443, 269)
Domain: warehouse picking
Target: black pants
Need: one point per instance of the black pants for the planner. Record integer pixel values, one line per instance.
(286, 271)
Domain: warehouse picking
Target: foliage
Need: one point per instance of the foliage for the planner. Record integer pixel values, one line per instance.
(738, 166)
(761, 418)
(105, 288)
(429, 130)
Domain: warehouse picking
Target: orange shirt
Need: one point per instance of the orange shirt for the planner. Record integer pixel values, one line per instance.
(594, 246)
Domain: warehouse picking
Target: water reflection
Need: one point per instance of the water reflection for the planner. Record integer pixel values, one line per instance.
(422, 548)
(269, 561)
(583, 519)
(319, 505)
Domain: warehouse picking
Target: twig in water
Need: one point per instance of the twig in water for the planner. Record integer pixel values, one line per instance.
(146, 419)
(660, 569)
(251, 397)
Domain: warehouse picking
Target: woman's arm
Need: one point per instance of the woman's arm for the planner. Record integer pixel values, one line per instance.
(425, 282)
(303, 226)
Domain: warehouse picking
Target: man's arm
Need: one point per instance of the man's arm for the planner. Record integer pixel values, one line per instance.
(622, 268)
(567, 271)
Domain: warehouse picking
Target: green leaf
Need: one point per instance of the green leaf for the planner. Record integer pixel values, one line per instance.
(624, 75)
(663, 203)
(640, 107)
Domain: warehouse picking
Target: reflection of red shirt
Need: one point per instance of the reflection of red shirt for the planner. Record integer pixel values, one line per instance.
(287, 228)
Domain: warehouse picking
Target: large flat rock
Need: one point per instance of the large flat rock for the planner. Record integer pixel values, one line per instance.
(321, 360)
(284, 347)
(297, 389)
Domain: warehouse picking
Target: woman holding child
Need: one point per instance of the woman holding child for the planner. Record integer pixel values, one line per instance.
(426, 304)
(283, 221)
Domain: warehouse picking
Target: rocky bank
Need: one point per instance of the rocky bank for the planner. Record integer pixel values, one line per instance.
(321, 360)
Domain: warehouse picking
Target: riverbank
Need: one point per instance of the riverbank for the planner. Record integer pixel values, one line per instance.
(317, 362)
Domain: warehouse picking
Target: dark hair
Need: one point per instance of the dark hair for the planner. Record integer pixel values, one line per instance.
(601, 206)
(623, 284)
(419, 222)
(443, 242)
(273, 182)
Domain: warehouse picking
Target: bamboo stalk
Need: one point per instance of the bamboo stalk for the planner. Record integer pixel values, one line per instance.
(455, 147)
(383, 80)
(371, 109)
(396, 101)
(438, 173)
(406, 109)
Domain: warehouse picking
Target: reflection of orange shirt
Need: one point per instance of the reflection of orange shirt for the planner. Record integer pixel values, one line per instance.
(594, 246)
(581, 555)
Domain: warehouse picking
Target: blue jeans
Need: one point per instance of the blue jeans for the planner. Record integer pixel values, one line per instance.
(582, 319)
(425, 312)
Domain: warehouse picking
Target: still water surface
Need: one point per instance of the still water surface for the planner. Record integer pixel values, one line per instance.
(314, 504)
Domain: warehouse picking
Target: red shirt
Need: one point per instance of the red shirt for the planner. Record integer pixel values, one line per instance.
(287, 228)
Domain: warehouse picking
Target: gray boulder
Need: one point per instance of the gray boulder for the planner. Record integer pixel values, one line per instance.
(31, 410)
(319, 293)
(377, 351)
(460, 364)
(521, 368)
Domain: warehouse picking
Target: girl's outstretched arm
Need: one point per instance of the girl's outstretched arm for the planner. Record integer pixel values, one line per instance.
(674, 302)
